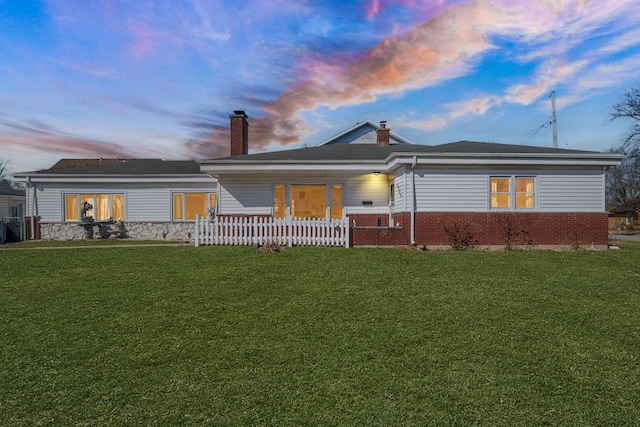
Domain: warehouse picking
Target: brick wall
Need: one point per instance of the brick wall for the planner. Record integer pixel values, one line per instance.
(239, 130)
(383, 236)
(540, 229)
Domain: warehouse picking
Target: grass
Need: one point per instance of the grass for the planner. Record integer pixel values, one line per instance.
(91, 242)
(232, 336)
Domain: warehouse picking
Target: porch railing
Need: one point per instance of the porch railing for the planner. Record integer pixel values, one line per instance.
(260, 230)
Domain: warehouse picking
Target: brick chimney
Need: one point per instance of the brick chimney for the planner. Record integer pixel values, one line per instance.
(239, 132)
(382, 134)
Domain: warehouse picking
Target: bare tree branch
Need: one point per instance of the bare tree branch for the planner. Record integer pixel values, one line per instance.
(623, 181)
(629, 108)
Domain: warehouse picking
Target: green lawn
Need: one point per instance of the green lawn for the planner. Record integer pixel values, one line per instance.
(232, 336)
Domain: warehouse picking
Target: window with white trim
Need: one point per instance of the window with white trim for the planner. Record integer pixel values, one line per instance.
(512, 192)
(100, 206)
(187, 205)
(307, 200)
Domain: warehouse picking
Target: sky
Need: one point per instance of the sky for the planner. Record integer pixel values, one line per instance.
(159, 78)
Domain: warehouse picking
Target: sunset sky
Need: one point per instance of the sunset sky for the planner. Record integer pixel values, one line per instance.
(159, 78)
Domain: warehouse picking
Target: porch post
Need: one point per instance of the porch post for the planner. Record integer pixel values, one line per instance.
(196, 242)
(289, 227)
(345, 226)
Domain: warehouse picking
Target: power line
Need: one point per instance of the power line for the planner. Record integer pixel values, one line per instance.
(527, 136)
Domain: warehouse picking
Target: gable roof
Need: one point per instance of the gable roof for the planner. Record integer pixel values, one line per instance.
(362, 133)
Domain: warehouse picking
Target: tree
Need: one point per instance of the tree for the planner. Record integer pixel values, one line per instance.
(629, 108)
(5, 179)
(623, 181)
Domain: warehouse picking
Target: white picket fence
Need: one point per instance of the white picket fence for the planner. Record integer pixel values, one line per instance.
(256, 230)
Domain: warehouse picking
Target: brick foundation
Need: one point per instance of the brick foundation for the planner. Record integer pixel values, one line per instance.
(536, 229)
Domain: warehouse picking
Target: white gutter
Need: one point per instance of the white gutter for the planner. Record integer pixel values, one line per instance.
(59, 178)
(396, 160)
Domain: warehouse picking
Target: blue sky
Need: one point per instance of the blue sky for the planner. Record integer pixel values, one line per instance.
(158, 79)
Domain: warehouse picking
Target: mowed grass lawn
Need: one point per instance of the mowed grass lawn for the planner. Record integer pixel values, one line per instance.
(232, 336)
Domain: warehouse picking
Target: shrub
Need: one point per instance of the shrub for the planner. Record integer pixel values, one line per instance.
(271, 246)
(460, 238)
(512, 234)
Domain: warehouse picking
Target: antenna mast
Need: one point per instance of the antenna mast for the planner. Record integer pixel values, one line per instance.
(553, 118)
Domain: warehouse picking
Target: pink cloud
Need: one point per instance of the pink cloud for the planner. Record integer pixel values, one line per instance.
(144, 39)
(373, 8)
(213, 146)
(440, 48)
(59, 144)
(455, 111)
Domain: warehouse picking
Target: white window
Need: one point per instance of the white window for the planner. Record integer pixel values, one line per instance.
(307, 200)
(101, 207)
(187, 205)
(512, 192)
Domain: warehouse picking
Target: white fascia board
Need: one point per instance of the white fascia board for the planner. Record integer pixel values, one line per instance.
(120, 179)
(395, 160)
(596, 159)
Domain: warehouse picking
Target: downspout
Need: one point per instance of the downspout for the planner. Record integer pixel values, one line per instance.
(33, 207)
(413, 201)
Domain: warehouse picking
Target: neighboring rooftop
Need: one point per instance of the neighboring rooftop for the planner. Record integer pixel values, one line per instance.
(631, 205)
(6, 190)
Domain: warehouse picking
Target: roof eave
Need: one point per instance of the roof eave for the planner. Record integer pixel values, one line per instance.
(397, 159)
(101, 178)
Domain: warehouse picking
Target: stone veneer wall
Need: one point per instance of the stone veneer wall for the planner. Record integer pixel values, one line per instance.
(181, 231)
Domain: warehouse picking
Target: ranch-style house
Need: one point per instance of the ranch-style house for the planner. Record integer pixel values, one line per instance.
(376, 187)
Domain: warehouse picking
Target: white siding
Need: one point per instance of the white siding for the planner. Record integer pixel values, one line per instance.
(400, 190)
(369, 188)
(579, 190)
(143, 201)
(48, 204)
(450, 192)
(572, 192)
(244, 195)
(4, 207)
(253, 195)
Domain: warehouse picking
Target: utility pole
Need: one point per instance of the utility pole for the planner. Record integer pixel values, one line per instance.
(553, 118)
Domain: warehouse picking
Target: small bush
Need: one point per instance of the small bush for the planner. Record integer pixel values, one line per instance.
(271, 246)
(574, 242)
(460, 238)
(513, 235)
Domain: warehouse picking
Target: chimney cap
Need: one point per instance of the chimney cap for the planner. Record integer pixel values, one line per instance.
(383, 124)
(239, 113)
